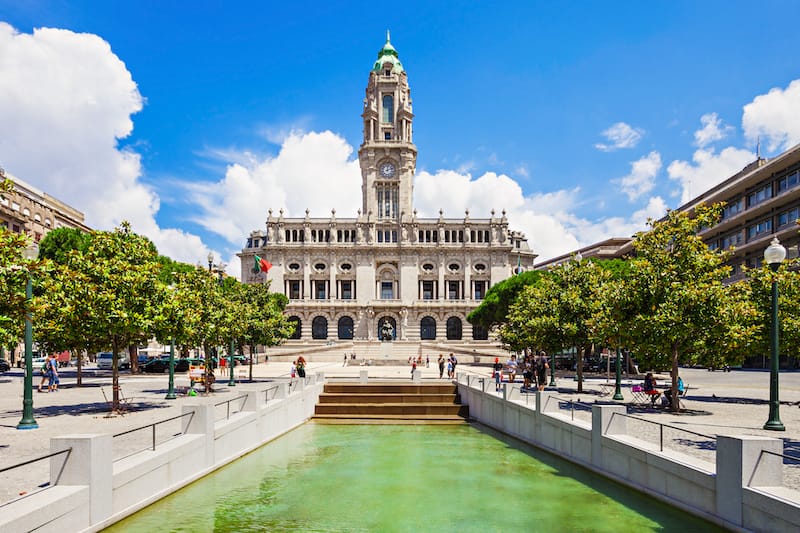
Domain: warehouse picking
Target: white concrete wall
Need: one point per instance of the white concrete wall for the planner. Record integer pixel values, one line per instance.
(93, 491)
(742, 490)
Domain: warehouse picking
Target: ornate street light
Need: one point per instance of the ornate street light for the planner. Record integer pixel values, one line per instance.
(30, 253)
(210, 260)
(774, 256)
(231, 382)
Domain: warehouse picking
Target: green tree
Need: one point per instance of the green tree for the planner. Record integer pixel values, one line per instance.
(60, 241)
(265, 323)
(494, 308)
(677, 304)
(118, 293)
(14, 274)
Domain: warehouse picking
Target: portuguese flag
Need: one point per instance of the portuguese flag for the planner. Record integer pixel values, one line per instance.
(261, 265)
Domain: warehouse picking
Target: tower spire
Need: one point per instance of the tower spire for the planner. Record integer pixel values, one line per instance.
(387, 36)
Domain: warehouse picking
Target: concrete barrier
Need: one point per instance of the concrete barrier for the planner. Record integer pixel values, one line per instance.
(92, 491)
(742, 490)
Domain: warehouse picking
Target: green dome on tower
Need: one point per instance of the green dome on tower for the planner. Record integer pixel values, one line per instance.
(388, 54)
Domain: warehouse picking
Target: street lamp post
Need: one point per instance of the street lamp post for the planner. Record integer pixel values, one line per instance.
(210, 260)
(231, 382)
(617, 387)
(171, 390)
(774, 256)
(30, 253)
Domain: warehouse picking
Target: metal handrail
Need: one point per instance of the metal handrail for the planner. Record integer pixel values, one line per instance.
(67, 451)
(153, 427)
(571, 403)
(661, 429)
(758, 462)
(267, 391)
(228, 402)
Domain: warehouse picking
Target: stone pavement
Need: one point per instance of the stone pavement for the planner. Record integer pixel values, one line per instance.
(717, 403)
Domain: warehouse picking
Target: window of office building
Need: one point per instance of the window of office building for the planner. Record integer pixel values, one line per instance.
(452, 290)
(788, 217)
(789, 182)
(734, 239)
(388, 108)
(761, 228)
(320, 292)
(760, 195)
(733, 208)
(479, 290)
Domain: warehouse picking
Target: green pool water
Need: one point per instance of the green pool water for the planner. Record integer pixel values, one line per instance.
(405, 478)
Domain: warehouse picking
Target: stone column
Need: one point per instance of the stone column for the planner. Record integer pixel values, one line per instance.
(90, 463)
(201, 423)
(606, 420)
(740, 464)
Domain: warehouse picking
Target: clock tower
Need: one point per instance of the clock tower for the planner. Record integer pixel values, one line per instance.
(388, 157)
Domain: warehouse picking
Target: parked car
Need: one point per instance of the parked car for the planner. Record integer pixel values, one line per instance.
(155, 365)
(5, 366)
(105, 361)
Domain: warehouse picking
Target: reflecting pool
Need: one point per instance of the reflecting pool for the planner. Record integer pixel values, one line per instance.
(405, 478)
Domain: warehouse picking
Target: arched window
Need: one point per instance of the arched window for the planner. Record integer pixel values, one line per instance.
(319, 328)
(295, 320)
(387, 320)
(388, 108)
(454, 328)
(427, 329)
(345, 327)
(479, 333)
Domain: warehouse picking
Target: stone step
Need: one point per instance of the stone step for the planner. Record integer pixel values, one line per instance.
(327, 397)
(388, 419)
(411, 410)
(390, 388)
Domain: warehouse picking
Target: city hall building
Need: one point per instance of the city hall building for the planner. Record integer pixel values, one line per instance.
(386, 274)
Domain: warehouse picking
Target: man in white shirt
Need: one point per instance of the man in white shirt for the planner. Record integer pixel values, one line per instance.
(511, 368)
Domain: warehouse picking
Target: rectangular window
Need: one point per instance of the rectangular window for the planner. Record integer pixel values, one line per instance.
(759, 229)
(733, 208)
(452, 290)
(320, 293)
(294, 290)
(788, 217)
(480, 290)
(427, 290)
(789, 182)
(760, 195)
(387, 290)
(347, 290)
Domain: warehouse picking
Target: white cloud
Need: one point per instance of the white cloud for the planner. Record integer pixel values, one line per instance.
(65, 101)
(642, 178)
(311, 171)
(707, 170)
(713, 130)
(775, 116)
(620, 135)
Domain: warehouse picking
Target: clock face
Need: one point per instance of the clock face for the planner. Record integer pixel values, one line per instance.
(387, 170)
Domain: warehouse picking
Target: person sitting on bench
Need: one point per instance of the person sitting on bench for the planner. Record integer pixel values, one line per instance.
(650, 388)
(681, 390)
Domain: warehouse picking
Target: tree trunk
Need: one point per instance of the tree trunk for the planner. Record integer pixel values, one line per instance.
(209, 369)
(79, 367)
(580, 368)
(674, 385)
(114, 376)
(133, 356)
(252, 355)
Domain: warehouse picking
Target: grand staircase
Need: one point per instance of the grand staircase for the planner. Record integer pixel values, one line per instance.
(390, 403)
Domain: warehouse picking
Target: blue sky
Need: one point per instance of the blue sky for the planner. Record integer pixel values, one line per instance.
(581, 119)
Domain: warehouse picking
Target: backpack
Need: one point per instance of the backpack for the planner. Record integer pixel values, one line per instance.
(44, 368)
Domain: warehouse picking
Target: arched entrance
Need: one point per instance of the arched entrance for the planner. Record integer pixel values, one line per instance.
(319, 328)
(479, 333)
(427, 329)
(387, 326)
(345, 328)
(454, 328)
(298, 326)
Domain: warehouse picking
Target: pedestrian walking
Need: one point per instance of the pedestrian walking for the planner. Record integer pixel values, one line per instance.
(441, 366)
(52, 374)
(345, 360)
(498, 373)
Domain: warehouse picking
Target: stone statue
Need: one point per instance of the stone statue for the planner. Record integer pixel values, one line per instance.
(387, 331)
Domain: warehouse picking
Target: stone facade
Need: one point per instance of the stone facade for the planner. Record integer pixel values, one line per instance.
(26, 209)
(386, 274)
